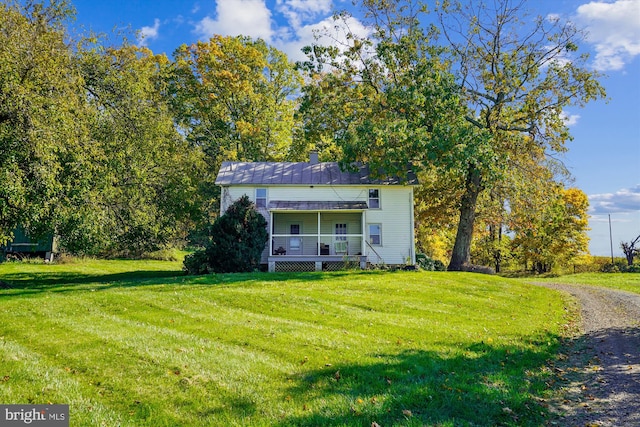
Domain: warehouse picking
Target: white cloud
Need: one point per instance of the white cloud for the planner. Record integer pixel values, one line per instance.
(614, 30)
(303, 21)
(238, 17)
(624, 200)
(300, 12)
(149, 33)
(326, 32)
(570, 119)
(553, 17)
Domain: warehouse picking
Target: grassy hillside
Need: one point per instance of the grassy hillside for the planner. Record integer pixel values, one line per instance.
(136, 344)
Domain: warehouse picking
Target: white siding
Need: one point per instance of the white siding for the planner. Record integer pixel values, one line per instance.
(395, 214)
(396, 219)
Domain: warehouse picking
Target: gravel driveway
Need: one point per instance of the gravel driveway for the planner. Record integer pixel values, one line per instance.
(599, 370)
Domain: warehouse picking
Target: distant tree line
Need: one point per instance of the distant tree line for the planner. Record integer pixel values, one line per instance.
(116, 149)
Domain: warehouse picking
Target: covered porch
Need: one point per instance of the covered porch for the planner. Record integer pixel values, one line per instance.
(316, 236)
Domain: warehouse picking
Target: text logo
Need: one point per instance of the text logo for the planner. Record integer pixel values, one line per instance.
(34, 415)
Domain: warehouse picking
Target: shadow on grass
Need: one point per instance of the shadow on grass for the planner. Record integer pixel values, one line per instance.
(481, 385)
(15, 284)
(31, 283)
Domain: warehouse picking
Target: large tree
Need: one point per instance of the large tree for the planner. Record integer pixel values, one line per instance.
(144, 186)
(233, 98)
(517, 75)
(489, 92)
(42, 134)
(630, 250)
(386, 99)
(553, 234)
(88, 148)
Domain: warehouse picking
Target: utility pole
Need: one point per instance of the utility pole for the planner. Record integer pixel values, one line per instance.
(610, 239)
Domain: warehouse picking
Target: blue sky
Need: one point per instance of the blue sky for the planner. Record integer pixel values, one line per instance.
(604, 156)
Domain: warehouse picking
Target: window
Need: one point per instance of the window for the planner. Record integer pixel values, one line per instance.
(261, 197)
(341, 231)
(375, 234)
(374, 198)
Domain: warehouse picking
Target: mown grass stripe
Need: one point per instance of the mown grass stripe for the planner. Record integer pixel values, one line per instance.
(310, 349)
(26, 377)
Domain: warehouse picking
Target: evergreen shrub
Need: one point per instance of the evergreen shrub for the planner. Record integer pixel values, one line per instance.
(237, 239)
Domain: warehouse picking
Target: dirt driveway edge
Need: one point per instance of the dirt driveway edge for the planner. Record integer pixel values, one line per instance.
(599, 369)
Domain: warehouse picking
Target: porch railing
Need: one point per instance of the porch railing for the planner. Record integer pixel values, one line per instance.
(316, 244)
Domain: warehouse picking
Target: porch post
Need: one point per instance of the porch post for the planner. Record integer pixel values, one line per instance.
(363, 247)
(412, 247)
(270, 233)
(318, 243)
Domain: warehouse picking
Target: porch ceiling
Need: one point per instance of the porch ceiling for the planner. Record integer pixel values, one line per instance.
(286, 205)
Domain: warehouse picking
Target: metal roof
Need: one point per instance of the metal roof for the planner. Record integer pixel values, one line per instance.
(285, 205)
(301, 173)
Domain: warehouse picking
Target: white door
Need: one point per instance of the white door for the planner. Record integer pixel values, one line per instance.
(341, 245)
(295, 243)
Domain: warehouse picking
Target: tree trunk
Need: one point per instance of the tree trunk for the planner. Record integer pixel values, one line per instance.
(461, 254)
(629, 255)
(498, 252)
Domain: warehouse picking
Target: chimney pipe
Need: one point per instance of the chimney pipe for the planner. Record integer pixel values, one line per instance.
(313, 157)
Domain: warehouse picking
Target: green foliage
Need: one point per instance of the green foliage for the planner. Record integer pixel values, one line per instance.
(237, 240)
(88, 149)
(485, 110)
(233, 99)
(620, 267)
(196, 263)
(429, 264)
(388, 100)
(116, 149)
(516, 76)
(554, 234)
(492, 247)
(144, 187)
(42, 133)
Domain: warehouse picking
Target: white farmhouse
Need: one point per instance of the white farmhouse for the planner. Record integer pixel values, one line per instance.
(321, 217)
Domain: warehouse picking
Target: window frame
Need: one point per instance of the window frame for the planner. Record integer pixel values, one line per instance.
(376, 198)
(258, 198)
(370, 234)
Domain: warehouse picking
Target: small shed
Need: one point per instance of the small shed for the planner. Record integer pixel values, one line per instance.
(23, 245)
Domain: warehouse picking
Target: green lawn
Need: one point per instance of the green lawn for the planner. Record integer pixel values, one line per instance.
(134, 343)
(625, 281)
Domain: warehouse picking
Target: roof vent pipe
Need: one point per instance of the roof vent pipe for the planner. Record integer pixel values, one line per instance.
(313, 157)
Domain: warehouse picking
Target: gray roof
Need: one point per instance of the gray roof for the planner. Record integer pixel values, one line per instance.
(285, 205)
(301, 173)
